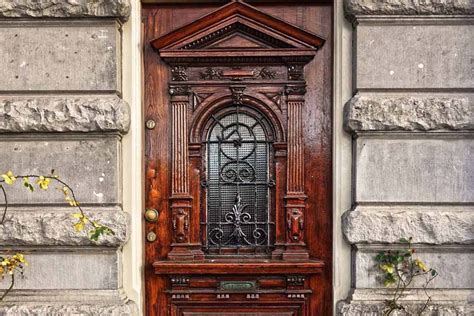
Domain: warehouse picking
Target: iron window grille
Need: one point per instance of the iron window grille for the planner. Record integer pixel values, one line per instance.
(238, 183)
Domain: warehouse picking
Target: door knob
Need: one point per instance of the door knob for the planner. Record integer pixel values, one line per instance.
(151, 215)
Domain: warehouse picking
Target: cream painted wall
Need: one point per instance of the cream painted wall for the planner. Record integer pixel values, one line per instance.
(342, 151)
(133, 148)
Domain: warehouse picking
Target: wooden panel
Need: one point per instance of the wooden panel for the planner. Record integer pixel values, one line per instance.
(307, 233)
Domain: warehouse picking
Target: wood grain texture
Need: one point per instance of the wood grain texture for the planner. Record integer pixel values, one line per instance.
(312, 178)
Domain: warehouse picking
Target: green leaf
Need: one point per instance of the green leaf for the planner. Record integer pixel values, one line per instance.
(27, 184)
(404, 240)
(96, 233)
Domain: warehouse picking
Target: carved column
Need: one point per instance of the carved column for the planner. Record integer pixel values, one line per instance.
(180, 200)
(295, 198)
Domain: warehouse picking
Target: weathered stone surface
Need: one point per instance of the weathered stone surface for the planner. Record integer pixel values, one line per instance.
(387, 113)
(65, 8)
(88, 163)
(67, 302)
(61, 114)
(54, 228)
(426, 224)
(64, 114)
(454, 265)
(408, 7)
(62, 269)
(459, 296)
(72, 56)
(416, 168)
(403, 56)
(376, 309)
(83, 309)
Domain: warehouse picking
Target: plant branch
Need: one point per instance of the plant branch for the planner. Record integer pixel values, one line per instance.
(5, 208)
(12, 283)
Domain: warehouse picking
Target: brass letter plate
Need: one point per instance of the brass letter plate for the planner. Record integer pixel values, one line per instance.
(238, 286)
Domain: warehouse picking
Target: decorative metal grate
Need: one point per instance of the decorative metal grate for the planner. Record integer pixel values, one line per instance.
(238, 183)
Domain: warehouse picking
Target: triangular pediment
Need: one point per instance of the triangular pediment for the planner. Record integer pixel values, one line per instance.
(236, 41)
(238, 30)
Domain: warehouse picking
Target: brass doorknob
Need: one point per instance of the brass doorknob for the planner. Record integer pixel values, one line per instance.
(151, 215)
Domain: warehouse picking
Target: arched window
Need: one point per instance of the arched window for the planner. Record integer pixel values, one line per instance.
(239, 181)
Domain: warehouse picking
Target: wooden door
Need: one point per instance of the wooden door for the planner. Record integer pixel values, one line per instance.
(238, 158)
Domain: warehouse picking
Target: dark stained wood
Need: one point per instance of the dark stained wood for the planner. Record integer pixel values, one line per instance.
(238, 10)
(232, 267)
(181, 97)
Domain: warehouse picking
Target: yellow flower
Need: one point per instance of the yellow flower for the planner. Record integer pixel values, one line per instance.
(9, 178)
(43, 182)
(20, 257)
(78, 227)
(389, 268)
(81, 224)
(71, 201)
(420, 264)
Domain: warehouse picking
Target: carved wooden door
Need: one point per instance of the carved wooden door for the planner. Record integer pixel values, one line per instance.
(238, 159)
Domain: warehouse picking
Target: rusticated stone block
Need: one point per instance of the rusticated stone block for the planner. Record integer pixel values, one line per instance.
(64, 114)
(72, 56)
(425, 168)
(403, 56)
(54, 228)
(69, 270)
(377, 309)
(65, 9)
(408, 7)
(426, 224)
(85, 308)
(90, 165)
(453, 264)
(387, 113)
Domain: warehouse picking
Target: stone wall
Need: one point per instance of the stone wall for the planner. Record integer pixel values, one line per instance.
(412, 122)
(61, 108)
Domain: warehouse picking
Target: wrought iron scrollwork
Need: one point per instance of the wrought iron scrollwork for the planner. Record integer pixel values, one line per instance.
(238, 182)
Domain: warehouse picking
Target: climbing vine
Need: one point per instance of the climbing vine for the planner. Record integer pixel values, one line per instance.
(399, 269)
(10, 265)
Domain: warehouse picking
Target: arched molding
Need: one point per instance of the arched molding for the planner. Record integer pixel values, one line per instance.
(219, 101)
